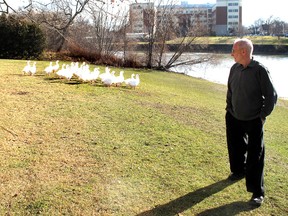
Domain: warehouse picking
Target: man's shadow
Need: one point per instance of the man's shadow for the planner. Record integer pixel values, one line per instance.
(187, 201)
(230, 209)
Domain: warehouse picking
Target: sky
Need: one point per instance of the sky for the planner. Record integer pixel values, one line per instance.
(252, 9)
(278, 9)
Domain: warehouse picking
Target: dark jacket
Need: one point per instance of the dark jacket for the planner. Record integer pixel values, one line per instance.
(251, 93)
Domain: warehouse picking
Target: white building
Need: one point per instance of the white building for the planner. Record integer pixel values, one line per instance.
(228, 17)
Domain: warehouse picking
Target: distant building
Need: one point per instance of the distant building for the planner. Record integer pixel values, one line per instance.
(141, 15)
(227, 15)
(192, 16)
(222, 18)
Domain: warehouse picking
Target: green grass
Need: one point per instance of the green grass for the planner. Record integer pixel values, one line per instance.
(70, 148)
(262, 40)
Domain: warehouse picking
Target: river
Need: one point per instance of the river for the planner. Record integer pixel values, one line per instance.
(218, 72)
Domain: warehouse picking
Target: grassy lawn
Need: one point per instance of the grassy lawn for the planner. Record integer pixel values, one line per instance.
(262, 40)
(265, 40)
(70, 148)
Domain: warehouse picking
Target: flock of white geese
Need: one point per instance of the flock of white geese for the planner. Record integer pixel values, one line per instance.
(84, 74)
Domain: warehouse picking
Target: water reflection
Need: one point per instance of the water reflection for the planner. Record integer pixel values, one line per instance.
(218, 71)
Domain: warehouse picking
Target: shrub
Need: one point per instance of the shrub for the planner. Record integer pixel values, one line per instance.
(20, 39)
(78, 53)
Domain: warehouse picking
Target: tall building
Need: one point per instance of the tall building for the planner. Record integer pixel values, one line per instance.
(227, 17)
(222, 18)
(141, 16)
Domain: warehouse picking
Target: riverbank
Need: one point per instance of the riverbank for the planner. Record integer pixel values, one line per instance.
(265, 45)
(262, 49)
(226, 48)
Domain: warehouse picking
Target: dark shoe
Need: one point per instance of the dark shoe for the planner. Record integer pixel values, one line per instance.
(256, 200)
(236, 176)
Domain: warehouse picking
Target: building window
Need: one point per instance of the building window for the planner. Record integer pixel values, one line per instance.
(233, 16)
(233, 23)
(233, 10)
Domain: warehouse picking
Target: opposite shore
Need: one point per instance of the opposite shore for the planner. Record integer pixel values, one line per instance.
(263, 49)
(263, 45)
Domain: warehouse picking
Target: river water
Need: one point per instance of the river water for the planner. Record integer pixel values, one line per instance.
(218, 71)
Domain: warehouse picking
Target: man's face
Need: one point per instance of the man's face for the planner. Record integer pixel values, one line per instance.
(236, 53)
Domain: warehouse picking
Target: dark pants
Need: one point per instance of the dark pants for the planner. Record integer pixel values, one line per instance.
(246, 151)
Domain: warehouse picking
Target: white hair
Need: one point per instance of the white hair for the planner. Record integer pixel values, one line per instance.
(245, 43)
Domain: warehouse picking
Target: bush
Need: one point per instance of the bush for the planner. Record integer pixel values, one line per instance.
(20, 39)
(77, 53)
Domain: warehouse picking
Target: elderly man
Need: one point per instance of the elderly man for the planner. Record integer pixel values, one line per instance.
(251, 97)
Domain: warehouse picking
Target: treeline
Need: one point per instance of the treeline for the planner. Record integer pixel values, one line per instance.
(20, 39)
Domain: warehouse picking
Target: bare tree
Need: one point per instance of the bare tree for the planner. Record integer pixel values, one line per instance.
(267, 25)
(256, 27)
(278, 27)
(57, 15)
(149, 17)
(80, 33)
(108, 19)
(162, 23)
(5, 7)
(193, 29)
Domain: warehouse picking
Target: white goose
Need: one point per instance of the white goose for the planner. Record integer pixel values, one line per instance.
(84, 73)
(33, 69)
(55, 67)
(134, 82)
(26, 69)
(105, 74)
(126, 81)
(119, 79)
(61, 71)
(74, 66)
(65, 72)
(68, 73)
(48, 70)
(109, 79)
(93, 76)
